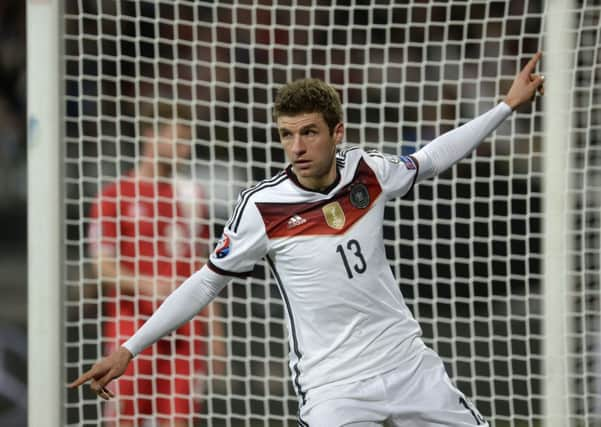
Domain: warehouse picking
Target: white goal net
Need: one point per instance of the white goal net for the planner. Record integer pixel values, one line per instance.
(465, 247)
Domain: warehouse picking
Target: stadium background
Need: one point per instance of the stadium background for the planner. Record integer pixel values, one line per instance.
(445, 300)
(226, 60)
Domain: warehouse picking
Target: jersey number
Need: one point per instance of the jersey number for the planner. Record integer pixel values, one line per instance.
(354, 248)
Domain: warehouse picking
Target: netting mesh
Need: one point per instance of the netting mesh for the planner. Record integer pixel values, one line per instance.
(584, 217)
(466, 247)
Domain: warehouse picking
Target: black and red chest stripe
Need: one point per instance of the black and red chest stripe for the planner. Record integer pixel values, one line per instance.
(306, 219)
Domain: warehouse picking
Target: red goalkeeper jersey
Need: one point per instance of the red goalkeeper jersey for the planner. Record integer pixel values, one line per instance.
(153, 228)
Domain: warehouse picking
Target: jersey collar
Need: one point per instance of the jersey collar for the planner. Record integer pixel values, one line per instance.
(296, 182)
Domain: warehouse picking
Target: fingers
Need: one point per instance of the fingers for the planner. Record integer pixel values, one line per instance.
(531, 65)
(98, 386)
(101, 390)
(526, 84)
(537, 84)
(106, 394)
(535, 81)
(85, 377)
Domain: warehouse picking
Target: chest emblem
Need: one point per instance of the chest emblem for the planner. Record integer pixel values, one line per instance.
(359, 196)
(334, 215)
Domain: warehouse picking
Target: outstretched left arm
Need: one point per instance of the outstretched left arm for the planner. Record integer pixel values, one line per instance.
(449, 148)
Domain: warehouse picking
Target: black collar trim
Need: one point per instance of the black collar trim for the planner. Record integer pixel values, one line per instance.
(294, 179)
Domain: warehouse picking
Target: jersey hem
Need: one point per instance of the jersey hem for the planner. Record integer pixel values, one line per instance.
(415, 347)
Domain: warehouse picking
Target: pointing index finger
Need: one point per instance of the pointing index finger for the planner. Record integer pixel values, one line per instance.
(531, 65)
(82, 379)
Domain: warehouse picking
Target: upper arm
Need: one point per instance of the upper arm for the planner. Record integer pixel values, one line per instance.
(243, 242)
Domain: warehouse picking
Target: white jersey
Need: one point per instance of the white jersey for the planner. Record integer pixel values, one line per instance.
(347, 319)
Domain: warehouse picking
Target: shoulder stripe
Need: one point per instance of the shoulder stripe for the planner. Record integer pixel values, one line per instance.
(246, 191)
(375, 154)
(341, 154)
(245, 196)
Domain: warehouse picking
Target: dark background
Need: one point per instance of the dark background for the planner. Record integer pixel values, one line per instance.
(467, 249)
(13, 214)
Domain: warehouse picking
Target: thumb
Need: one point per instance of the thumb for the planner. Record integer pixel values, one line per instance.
(537, 82)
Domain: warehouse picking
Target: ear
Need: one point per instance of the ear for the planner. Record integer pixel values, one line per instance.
(338, 133)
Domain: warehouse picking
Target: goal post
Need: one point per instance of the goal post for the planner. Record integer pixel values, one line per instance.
(45, 373)
(558, 69)
(499, 258)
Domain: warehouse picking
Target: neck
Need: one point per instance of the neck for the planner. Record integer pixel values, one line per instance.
(318, 184)
(315, 184)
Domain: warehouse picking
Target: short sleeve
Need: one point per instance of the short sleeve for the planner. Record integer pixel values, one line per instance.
(243, 242)
(397, 174)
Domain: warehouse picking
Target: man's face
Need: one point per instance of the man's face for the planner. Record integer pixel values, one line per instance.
(310, 148)
(173, 142)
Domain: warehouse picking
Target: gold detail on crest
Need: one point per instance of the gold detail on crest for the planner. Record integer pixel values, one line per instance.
(334, 215)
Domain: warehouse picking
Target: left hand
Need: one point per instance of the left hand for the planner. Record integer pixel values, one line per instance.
(526, 84)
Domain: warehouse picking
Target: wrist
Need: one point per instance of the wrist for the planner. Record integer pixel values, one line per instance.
(505, 106)
(124, 352)
(512, 104)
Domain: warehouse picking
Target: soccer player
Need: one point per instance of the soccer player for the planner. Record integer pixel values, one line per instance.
(356, 353)
(145, 235)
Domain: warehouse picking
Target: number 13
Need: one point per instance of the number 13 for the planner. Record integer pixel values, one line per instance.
(354, 247)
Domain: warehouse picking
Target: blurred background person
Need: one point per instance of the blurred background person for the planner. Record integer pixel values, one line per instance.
(148, 232)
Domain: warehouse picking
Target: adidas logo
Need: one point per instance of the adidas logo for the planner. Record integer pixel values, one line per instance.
(295, 221)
